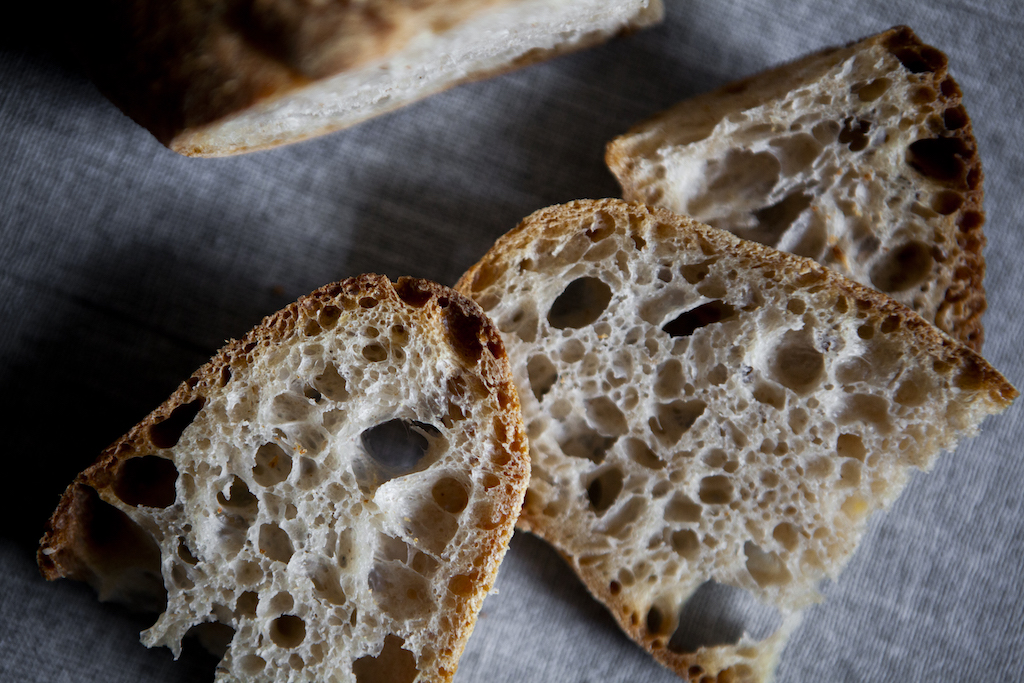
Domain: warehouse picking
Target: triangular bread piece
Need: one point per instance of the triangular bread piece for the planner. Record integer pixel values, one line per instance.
(860, 157)
(329, 497)
(711, 419)
(216, 78)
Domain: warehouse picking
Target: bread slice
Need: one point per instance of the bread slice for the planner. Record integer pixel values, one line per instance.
(214, 78)
(711, 419)
(861, 157)
(328, 498)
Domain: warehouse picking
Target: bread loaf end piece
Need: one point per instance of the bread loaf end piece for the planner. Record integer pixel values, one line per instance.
(328, 499)
(861, 157)
(711, 421)
(219, 78)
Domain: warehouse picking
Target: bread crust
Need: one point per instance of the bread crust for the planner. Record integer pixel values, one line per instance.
(548, 234)
(73, 548)
(959, 242)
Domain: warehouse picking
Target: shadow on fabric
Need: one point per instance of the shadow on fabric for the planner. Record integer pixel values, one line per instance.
(96, 355)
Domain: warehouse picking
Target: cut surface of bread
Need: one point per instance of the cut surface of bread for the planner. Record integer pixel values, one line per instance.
(860, 157)
(712, 421)
(328, 499)
(219, 78)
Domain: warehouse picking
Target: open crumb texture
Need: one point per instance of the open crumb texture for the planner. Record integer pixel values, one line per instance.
(328, 499)
(860, 157)
(711, 418)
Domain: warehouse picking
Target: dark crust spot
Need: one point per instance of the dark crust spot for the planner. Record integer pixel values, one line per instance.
(955, 118)
(913, 54)
(465, 331)
(496, 348)
(950, 88)
(412, 292)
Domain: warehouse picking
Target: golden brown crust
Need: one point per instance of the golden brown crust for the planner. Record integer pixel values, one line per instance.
(964, 303)
(948, 159)
(706, 666)
(67, 542)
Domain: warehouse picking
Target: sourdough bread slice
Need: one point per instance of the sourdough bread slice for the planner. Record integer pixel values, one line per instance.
(215, 78)
(860, 157)
(711, 420)
(328, 498)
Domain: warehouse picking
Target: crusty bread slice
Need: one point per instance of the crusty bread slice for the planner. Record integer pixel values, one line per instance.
(860, 157)
(213, 78)
(329, 497)
(710, 418)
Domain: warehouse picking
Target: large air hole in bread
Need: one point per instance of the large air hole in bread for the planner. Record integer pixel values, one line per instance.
(394, 664)
(580, 303)
(398, 447)
(166, 431)
(706, 314)
(148, 480)
(719, 614)
(124, 560)
(903, 268)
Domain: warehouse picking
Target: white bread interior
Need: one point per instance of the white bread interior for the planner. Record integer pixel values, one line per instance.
(497, 38)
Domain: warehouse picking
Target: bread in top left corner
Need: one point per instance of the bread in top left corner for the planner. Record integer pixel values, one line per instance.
(216, 78)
